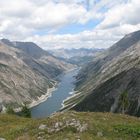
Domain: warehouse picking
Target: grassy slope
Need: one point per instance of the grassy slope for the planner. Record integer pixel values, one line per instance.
(101, 126)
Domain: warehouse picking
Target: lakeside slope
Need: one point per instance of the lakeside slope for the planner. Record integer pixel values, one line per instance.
(102, 82)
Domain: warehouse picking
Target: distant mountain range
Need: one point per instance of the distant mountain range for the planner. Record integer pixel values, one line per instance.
(76, 56)
(101, 83)
(26, 72)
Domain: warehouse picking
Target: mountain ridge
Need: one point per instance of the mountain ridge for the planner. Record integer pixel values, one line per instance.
(79, 56)
(108, 65)
(24, 75)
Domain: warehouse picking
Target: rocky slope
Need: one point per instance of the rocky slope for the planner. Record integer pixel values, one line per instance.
(71, 126)
(42, 56)
(26, 72)
(103, 81)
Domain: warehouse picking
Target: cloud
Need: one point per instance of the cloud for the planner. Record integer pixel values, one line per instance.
(24, 18)
(15, 9)
(90, 39)
(44, 14)
(97, 38)
(125, 13)
(29, 20)
(57, 15)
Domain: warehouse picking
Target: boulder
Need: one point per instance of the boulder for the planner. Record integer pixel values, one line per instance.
(42, 127)
(2, 139)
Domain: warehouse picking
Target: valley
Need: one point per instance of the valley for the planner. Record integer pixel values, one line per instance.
(69, 70)
(63, 96)
(55, 101)
(43, 78)
(27, 72)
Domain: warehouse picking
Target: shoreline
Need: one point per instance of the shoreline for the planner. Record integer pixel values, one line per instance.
(73, 94)
(42, 98)
(49, 93)
(71, 70)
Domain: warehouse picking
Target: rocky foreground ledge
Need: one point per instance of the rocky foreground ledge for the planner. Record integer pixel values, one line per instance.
(71, 126)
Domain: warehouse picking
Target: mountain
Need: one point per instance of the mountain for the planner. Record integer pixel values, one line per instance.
(68, 53)
(26, 72)
(101, 83)
(71, 126)
(34, 51)
(76, 56)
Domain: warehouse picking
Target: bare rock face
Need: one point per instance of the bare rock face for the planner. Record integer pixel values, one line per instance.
(115, 71)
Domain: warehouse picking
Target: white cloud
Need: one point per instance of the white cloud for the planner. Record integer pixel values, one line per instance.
(26, 19)
(90, 39)
(15, 9)
(44, 14)
(56, 15)
(125, 13)
(97, 38)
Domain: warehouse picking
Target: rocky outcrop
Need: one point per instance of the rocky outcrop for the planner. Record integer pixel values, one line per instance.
(72, 124)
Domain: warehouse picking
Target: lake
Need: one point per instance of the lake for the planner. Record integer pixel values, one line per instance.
(54, 103)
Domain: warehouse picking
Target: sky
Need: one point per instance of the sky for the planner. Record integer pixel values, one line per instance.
(54, 24)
